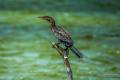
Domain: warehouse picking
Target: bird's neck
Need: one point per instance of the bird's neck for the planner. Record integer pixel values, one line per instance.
(52, 24)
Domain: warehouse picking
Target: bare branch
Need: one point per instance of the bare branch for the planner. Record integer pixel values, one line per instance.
(63, 53)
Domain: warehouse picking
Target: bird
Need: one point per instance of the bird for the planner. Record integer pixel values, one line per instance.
(62, 35)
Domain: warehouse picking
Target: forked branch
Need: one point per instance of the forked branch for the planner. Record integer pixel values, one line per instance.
(62, 52)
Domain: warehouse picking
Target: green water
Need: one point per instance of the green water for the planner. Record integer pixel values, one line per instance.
(25, 41)
(26, 52)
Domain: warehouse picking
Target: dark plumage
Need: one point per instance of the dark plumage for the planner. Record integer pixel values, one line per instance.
(62, 35)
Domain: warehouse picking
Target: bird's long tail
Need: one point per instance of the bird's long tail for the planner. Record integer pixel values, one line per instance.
(76, 52)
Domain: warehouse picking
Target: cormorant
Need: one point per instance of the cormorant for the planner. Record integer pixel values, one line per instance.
(63, 36)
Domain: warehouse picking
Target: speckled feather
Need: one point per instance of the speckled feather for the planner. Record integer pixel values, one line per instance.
(62, 34)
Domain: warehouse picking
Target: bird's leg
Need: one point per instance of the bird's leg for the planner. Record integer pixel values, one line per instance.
(66, 52)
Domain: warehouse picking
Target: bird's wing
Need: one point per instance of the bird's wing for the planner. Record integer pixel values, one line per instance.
(63, 35)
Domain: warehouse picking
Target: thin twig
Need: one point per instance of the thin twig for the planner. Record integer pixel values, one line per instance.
(62, 52)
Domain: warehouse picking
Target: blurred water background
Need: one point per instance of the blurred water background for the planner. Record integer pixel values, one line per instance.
(25, 48)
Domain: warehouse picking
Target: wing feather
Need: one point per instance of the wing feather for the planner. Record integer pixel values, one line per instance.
(62, 34)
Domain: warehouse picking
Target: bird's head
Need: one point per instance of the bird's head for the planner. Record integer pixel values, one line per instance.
(47, 18)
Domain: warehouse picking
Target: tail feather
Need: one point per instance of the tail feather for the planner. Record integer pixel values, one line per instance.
(76, 52)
